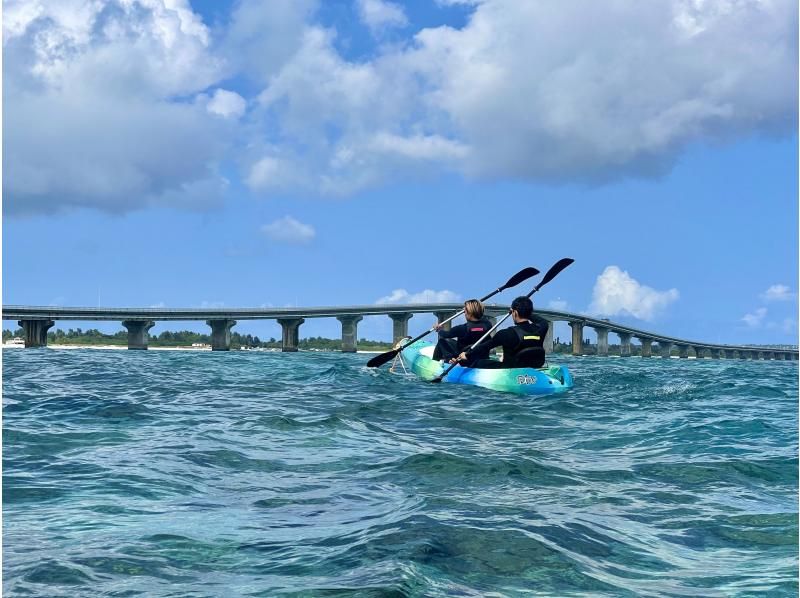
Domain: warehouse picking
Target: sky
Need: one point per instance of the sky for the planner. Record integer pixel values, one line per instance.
(199, 153)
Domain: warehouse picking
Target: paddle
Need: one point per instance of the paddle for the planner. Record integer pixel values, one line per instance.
(519, 277)
(554, 271)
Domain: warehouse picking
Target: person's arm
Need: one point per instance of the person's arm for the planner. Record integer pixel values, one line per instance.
(487, 344)
(455, 332)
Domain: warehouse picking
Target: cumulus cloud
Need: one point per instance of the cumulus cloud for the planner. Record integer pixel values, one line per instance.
(548, 91)
(755, 319)
(288, 230)
(117, 104)
(379, 15)
(90, 112)
(426, 296)
(227, 104)
(778, 292)
(617, 293)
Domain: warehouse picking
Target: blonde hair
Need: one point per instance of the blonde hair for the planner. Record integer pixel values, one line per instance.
(473, 309)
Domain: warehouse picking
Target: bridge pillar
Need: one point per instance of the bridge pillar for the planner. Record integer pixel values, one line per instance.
(647, 346)
(665, 349)
(714, 353)
(137, 332)
(795, 356)
(221, 334)
(441, 316)
(683, 351)
(624, 344)
(399, 326)
(290, 337)
(730, 354)
(548, 338)
(349, 332)
(35, 332)
(577, 337)
(602, 341)
(699, 352)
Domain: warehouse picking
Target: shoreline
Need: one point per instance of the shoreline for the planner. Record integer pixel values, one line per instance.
(156, 348)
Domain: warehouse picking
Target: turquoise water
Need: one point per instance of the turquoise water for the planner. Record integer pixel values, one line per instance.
(259, 474)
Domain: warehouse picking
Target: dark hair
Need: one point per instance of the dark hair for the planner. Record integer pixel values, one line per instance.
(523, 306)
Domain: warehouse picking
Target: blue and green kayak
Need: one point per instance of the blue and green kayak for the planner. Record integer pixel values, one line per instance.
(524, 381)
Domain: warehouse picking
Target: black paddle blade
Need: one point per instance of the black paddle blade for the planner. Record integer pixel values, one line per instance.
(520, 276)
(379, 360)
(554, 271)
(436, 381)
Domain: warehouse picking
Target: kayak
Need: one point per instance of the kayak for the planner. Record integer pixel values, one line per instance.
(524, 381)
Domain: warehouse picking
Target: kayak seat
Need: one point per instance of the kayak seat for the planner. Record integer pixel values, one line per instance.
(532, 357)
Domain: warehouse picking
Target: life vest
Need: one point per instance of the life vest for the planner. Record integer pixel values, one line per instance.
(529, 352)
(475, 331)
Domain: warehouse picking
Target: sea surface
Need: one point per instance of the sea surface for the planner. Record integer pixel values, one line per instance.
(265, 474)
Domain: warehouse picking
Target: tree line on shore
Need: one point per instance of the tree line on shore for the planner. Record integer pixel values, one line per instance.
(186, 338)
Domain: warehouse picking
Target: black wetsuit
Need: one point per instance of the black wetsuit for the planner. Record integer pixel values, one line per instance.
(452, 342)
(513, 340)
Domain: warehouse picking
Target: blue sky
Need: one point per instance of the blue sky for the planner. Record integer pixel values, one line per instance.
(250, 153)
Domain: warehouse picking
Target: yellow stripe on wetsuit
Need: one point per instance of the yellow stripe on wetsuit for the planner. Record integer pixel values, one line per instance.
(531, 338)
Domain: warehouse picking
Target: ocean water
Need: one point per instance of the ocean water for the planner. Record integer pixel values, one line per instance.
(261, 474)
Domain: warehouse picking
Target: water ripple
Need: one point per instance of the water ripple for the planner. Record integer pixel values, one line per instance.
(262, 474)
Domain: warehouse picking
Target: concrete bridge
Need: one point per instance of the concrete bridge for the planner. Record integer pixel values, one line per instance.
(36, 321)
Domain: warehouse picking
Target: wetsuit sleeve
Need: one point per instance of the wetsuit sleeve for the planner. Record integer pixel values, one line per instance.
(455, 332)
(492, 342)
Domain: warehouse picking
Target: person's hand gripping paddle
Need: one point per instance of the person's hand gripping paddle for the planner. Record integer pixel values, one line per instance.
(519, 277)
(554, 271)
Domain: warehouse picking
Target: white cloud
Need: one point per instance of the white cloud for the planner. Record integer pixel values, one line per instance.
(558, 305)
(227, 104)
(379, 15)
(426, 296)
(160, 304)
(778, 292)
(263, 36)
(107, 106)
(755, 319)
(617, 293)
(289, 230)
(552, 91)
(91, 116)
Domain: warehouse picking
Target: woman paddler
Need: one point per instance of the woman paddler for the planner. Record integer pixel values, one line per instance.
(458, 338)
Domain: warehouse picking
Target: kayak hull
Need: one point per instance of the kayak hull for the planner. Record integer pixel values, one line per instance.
(523, 381)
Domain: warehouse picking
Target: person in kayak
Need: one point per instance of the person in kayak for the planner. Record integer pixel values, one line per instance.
(458, 338)
(523, 343)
